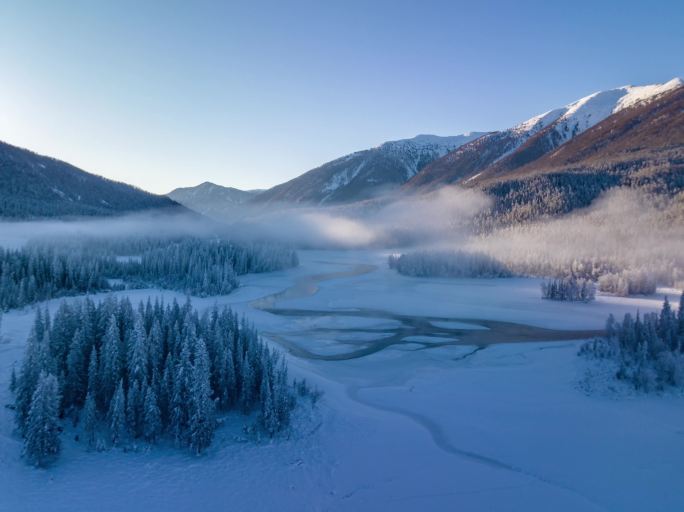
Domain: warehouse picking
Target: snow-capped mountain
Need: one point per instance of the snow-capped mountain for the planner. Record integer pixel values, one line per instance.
(34, 186)
(501, 152)
(365, 174)
(211, 199)
(644, 136)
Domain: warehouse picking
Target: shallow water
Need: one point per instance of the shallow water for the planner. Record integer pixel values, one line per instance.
(418, 332)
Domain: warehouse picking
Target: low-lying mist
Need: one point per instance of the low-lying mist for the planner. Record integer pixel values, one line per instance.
(621, 230)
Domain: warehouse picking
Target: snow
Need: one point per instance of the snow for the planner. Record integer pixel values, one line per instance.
(580, 115)
(504, 427)
(539, 122)
(344, 178)
(591, 110)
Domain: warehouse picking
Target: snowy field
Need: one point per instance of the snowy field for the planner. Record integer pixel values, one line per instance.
(424, 421)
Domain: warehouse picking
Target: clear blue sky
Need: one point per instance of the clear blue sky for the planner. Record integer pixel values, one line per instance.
(249, 94)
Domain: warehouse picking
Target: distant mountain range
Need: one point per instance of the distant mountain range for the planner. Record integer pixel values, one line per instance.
(548, 165)
(211, 199)
(365, 174)
(35, 186)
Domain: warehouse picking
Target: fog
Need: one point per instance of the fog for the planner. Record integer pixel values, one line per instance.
(395, 221)
(622, 227)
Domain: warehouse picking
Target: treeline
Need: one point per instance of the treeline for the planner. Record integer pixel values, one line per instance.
(195, 266)
(448, 264)
(648, 351)
(571, 289)
(155, 371)
(31, 275)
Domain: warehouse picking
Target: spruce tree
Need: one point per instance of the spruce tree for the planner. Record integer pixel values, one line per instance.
(110, 359)
(89, 420)
(42, 443)
(202, 422)
(152, 422)
(117, 416)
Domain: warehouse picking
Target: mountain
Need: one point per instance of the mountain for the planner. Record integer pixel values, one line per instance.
(649, 133)
(499, 153)
(365, 174)
(639, 147)
(35, 186)
(211, 199)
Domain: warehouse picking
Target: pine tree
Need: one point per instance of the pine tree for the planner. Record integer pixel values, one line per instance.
(94, 375)
(137, 357)
(269, 413)
(117, 415)
(36, 360)
(181, 397)
(202, 422)
(110, 359)
(42, 443)
(89, 420)
(134, 410)
(76, 372)
(152, 427)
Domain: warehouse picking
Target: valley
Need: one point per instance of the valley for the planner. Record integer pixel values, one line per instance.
(484, 425)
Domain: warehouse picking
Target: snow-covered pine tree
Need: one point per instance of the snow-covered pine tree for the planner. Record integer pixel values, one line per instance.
(41, 441)
(181, 396)
(110, 360)
(36, 360)
(137, 354)
(202, 421)
(94, 385)
(134, 408)
(117, 415)
(152, 421)
(75, 383)
(89, 420)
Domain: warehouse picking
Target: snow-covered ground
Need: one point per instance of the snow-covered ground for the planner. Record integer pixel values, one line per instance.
(415, 425)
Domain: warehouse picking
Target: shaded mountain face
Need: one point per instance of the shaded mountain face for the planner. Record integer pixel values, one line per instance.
(364, 174)
(35, 186)
(498, 154)
(211, 199)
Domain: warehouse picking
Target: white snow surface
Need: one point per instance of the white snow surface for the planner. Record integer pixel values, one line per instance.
(580, 115)
(449, 428)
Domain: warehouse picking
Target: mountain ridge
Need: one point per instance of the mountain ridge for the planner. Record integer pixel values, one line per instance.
(364, 174)
(500, 152)
(39, 186)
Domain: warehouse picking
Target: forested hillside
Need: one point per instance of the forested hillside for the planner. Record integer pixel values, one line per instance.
(35, 186)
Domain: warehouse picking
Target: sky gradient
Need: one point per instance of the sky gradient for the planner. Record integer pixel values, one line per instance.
(250, 94)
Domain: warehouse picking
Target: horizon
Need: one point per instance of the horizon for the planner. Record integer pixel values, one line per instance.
(160, 97)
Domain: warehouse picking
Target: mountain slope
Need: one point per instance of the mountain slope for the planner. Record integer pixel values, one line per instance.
(211, 199)
(640, 147)
(499, 153)
(364, 174)
(647, 132)
(35, 186)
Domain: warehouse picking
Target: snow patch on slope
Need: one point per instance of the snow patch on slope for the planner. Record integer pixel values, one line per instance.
(344, 178)
(591, 110)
